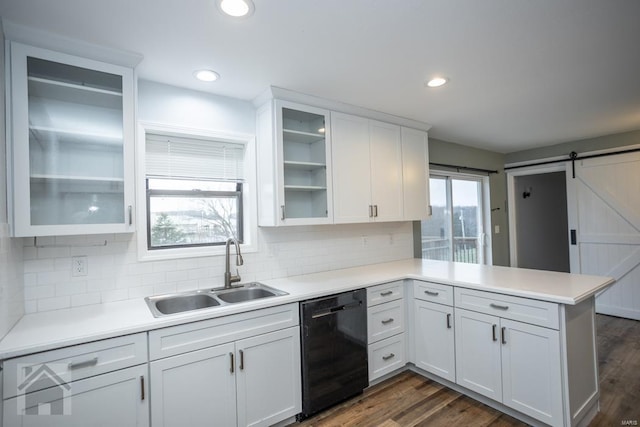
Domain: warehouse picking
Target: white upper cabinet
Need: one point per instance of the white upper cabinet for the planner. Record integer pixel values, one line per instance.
(294, 170)
(415, 174)
(367, 169)
(71, 139)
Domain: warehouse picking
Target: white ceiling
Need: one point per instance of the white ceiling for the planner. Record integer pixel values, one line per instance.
(524, 73)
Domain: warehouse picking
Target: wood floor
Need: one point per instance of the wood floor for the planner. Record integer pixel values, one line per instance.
(411, 400)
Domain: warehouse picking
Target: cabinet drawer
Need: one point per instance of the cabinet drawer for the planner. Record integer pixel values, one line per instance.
(385, 320)
(207, 333)
(383, 293)
(37, 371)
(433, 292)
(516, 308)
(386, 356)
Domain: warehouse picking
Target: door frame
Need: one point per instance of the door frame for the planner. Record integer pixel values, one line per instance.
(511, 204)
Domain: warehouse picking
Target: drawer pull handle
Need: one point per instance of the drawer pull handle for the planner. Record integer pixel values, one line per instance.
(448, 320)
(389, 356)
(495, 338)
(503, 334)
(499, 307)
(232, 362)
(82, 364)
(386, 322)
(241, 360)
(432, 294)
(141, 387)
(386, 293)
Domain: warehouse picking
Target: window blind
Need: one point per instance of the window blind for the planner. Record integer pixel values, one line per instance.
(179, 157)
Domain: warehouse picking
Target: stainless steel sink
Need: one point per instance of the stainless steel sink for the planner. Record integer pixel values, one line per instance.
(179, 303)
(164, 305)
(247, 292)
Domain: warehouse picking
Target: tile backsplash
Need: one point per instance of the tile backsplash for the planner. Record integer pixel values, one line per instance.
(114, 273)
(11, 289)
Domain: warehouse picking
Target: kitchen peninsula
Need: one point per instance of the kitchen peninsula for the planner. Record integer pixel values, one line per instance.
(520, 340)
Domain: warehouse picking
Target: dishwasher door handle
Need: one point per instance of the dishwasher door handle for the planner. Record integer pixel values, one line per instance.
(337, 309)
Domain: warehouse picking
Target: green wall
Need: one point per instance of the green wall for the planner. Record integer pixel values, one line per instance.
(461, 155)
(580, 146)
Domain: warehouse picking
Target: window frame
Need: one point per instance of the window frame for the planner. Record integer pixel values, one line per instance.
(248, 202)
(237, 195)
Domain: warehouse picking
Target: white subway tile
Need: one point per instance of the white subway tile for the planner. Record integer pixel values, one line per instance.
(85, 299)
(56, 303)
(71, 288)
(115, 295)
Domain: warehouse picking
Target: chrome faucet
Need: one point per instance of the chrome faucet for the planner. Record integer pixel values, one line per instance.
(228, 278)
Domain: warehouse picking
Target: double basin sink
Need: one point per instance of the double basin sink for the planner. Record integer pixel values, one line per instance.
(164, 305)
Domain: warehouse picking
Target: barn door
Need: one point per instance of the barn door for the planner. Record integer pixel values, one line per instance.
(604, 211)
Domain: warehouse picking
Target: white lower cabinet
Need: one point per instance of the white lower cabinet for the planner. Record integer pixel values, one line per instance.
(113, 399)
(252, 381)
(194, 388)
(101, 383)
(434, 339)
(268, 380)
(385, 329)
(512, 362)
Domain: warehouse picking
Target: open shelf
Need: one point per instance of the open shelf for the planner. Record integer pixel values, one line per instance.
(304, 188)
(75, 93)
(302, 137)
(46, 177)
(305, 166)
(44, 135)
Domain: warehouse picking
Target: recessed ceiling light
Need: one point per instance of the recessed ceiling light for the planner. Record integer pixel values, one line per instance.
(206, 75)
(436, 82)
(236, 8)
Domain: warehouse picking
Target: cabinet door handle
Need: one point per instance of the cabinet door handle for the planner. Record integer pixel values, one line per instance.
(431, 293)
(499, 307)
(386, 293)
(493, 331)
(141, 387)
(232, 362)
(89, 362)
(503, 334)
(282, 212)
(130, 215)
(370, 211)
(241, 360)
(388, 356)
(448, 320)
(375, 210)
(386, 322)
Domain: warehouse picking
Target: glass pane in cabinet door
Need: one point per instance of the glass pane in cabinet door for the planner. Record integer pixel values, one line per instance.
(75, 145)
(305, 164)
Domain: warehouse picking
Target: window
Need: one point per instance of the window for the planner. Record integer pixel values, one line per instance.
(186, 212)
(455, 231)
(193, 193)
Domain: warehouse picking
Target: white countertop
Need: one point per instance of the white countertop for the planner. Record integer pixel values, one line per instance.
(49, 330)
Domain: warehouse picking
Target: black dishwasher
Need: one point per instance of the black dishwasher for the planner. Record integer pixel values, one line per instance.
(334, 349)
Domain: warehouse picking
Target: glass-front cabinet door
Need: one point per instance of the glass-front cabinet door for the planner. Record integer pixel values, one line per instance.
(304, 150)
(72, 144)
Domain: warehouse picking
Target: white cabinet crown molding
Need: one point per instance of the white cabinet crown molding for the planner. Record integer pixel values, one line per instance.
(36, 37)
(275, 92)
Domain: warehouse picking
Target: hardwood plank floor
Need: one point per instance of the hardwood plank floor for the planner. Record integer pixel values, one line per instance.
(411, 400)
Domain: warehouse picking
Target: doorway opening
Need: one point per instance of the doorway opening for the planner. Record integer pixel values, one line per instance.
(538, 220)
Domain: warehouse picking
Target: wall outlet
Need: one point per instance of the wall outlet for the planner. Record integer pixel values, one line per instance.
(391, 238)
(496, 229)
(79, 266)
(365, 240)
